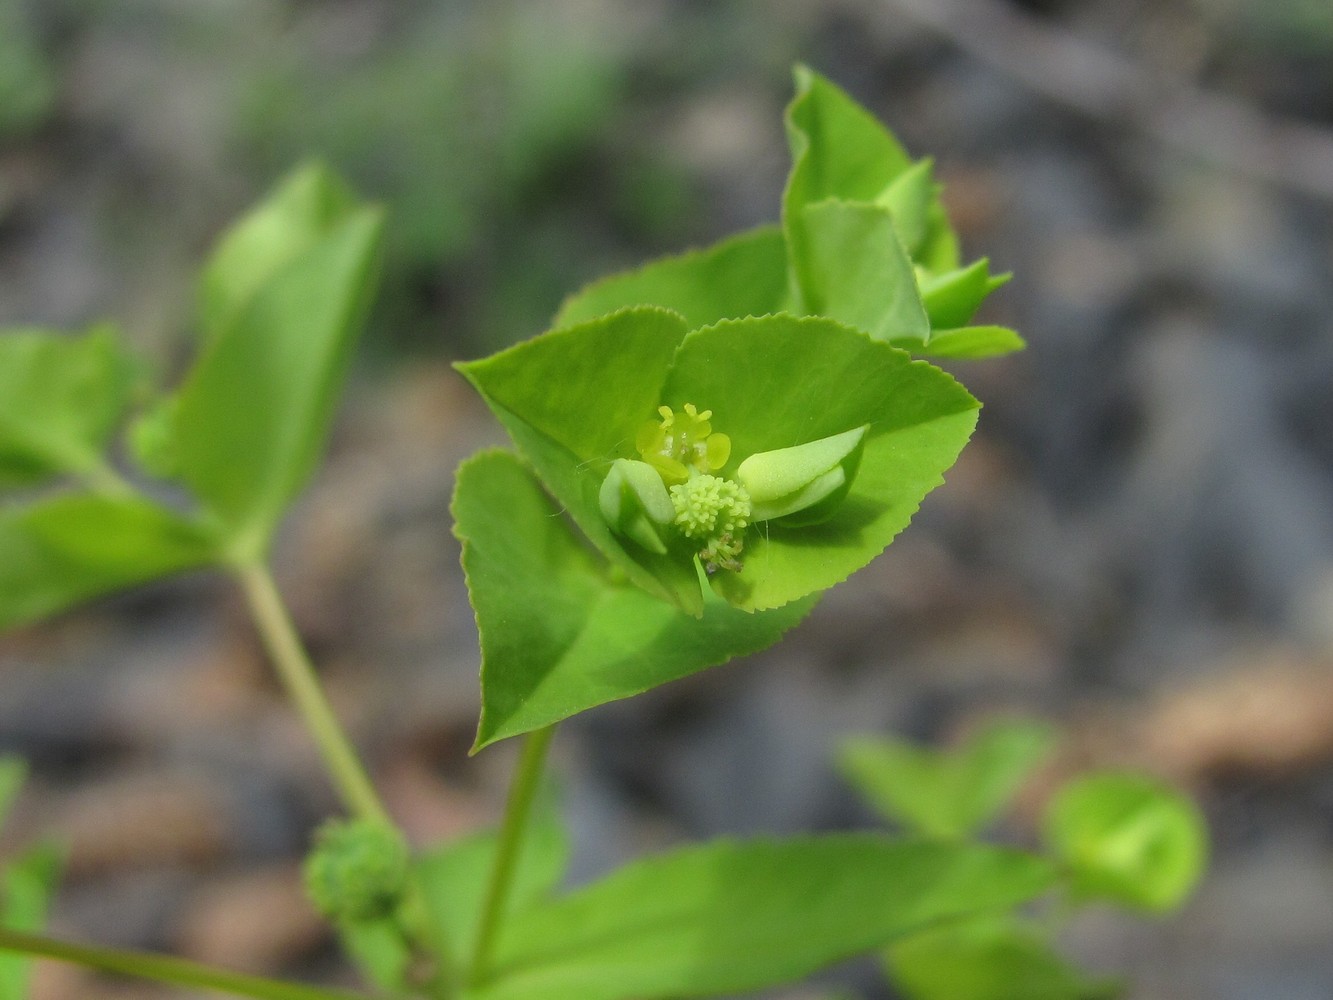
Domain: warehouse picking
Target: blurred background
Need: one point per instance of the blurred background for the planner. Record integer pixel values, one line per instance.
(1137, 546)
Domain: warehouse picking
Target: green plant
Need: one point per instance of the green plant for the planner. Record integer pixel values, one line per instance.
(703, 446)
(1117, 838)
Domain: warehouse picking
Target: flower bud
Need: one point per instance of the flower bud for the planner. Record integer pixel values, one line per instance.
(807, 479)
(357, 871)
(635, 503)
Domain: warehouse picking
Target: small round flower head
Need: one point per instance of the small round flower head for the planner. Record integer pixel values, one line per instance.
(707, 506)
(715, 512)
(357, 871)
(682, 443)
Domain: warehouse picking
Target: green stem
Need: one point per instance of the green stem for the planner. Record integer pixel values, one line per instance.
(298, 676)
(166, 969)
(518, 809)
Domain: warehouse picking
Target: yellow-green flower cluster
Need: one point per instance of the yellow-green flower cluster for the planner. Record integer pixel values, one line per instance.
(674, 485)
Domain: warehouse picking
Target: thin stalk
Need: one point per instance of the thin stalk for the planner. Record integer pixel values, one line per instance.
(518, 810)
(298, 676)
(166, 969)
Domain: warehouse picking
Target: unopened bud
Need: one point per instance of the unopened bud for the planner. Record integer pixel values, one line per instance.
(357, 871)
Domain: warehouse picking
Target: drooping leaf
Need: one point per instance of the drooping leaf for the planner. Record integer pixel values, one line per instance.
(730, 917)
(558, 634)
(989, 958)
(61, 398)
(745, 275)
(1127, 839)
(305, 209)
(67, 549)
(946, 793)
(253, 413)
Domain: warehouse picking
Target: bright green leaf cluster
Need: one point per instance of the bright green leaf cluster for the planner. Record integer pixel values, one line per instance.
(1117, 838)
(734, 428)
(281, 301)
(864, 240)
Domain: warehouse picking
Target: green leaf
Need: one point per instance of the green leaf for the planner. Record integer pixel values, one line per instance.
(864, 224)
(970, 342)
(838, 148)
(558, 635)
(777, 381)
(1127, 839)
(26, 886)
(254, 411)
(909, 197)
(730, 917)
(67, 549)
(573, 400)
(305, 209)
(745, 275)
(939, 251)
(455, 880)
(853, 269)
(61, 398)
(953, 297)
(989, 958)
(951, 793)
(378, 949)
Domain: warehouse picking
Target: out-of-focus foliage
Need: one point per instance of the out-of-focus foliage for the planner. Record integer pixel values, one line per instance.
(27, 79)
(482, 127)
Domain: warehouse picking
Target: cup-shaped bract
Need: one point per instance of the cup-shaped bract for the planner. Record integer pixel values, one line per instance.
(809, 402)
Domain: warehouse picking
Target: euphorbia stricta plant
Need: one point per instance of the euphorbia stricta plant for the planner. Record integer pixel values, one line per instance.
(702, 447)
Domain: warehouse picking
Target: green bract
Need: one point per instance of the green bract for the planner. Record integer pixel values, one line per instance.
(732, 430)
(864, 240)
(794, 396)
